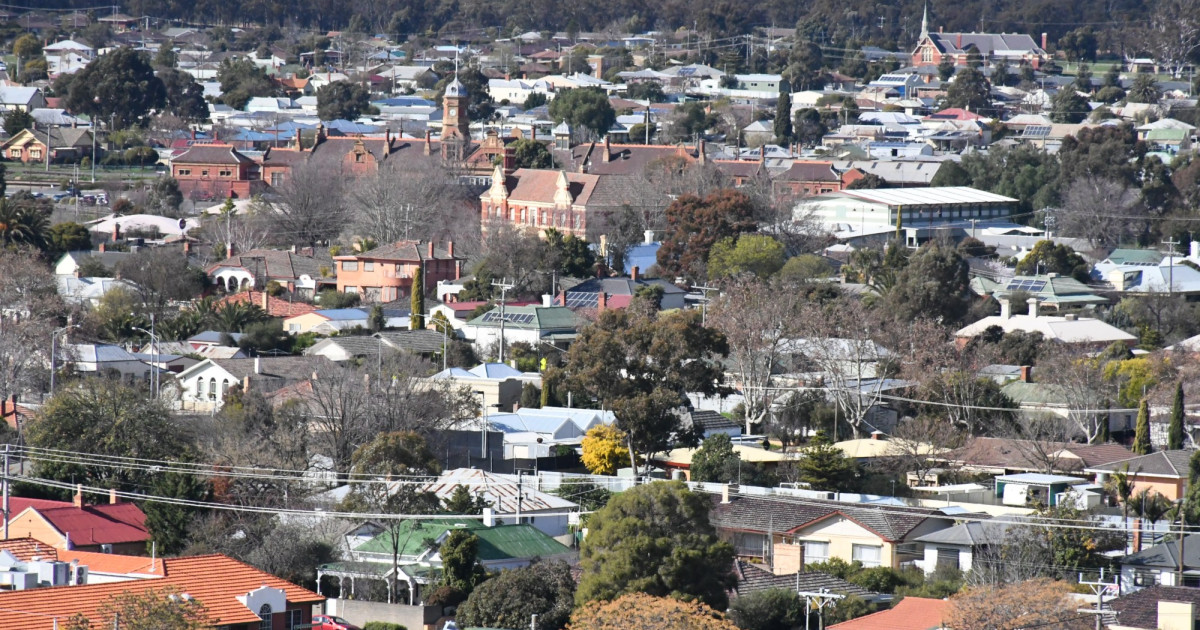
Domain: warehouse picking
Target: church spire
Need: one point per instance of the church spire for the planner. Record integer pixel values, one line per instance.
(925, 21)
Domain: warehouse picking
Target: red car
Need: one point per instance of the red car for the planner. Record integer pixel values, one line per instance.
(329, 622)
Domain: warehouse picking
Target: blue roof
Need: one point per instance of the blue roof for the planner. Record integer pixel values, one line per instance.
(246, 135)
(404, 101)
(346, 126)
(517, 423)
(290, 127)
(213, 336)
(454, 372)
(495, 370)
(642, 256)
(343, 314)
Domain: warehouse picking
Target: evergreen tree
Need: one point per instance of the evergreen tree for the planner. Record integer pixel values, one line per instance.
(783, 114)
(1141, 437)
(417, 318)
(1175, 434)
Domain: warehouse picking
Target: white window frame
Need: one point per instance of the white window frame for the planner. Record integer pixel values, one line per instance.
(857, 555)
(809, 547)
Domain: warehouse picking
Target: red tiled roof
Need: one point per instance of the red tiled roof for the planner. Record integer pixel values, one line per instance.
(18, 414)
(215, 581)
(804, 171)
(540, 186)
(276, 307)
(912, 613)
(211, 154)
(26, 549)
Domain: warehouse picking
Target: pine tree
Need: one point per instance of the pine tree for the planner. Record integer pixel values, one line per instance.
(1141, 437)
(1175, 430)
(417, 317)
(783, 114)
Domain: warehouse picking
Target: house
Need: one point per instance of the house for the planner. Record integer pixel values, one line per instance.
(149, 226)
(234, 595)
(1159, 565)
(1066, 329)
(498, 384)
(67, 56)
(530, 324)
(66, 144)
(455, 312)
(366, 349)
(334, 320)
(507, 496)
(920, 213)
(385, 273)
(606, 293)
(710, 423)
(530, 434)
(89, 291)
(1004, 456)
(795, 534)
(22, 98)
(273, 306)
(753, 579)
(677, 462)
(71, 261)
(1036, 489)
(1052, 290)
(212, 339)
(113, 527)
(806, 178)
(1170, 276)
(214, 171)
(1157, 608)
(204, 385)
(1164, 472)
(303, 271)
(956, 547)
(912, 613)
(104, 359)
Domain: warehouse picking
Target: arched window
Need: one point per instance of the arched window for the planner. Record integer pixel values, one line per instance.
(224, 387)
(212, 389)
(264, 613)
(199, 388)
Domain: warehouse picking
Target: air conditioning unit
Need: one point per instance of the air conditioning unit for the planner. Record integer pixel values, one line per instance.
(81, 575)
(106, 549)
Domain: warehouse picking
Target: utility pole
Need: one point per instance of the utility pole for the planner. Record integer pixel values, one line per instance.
(820, 599)
(1100, 588)
(6, 470)
(704, 303)
(504, 287)
(1171, 242)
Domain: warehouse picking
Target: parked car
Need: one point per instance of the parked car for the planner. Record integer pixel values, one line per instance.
(329, 622)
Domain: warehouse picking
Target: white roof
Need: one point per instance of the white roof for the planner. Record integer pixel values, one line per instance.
(1059, 328)
(499, 490)
(942, 195)
(67, 44)
(1039, 478)
(1166, 123)
(165, 226)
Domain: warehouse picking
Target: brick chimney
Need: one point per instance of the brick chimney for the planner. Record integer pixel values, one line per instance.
(607, 149)
(112, 497)
(265, 298)
(1026, 374)
(299, 141)
(430, 249)
(78, 498)
(450, 248)
(101, 248)
(562, 298)
(116, 232)
(633, 273)
(1043, 41)
(187, 247)
(428, 142)
(958, 42)
(246, 384)
(602, 301)
(387, 142)
(700, 157)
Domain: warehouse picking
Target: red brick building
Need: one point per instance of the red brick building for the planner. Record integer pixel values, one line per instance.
(1014, 48)
(215, 171)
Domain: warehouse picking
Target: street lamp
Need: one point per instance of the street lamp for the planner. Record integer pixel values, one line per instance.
(154, 380)
(54, 352)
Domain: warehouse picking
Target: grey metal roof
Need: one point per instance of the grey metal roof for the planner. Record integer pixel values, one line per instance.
(1166, 555)
(781, 515)
(1161, 464)
(751, 579)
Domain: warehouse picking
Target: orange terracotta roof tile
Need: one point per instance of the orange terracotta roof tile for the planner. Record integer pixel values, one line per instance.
(26, 549)
(215, 581)
(114, 563)
(912, 613)
(276, 307)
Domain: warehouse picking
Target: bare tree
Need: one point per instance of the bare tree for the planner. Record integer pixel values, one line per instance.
(1041, 438)
(1100, 210)
(916, 443)
(1078, 381)
(29, 311)
(1174, 33)
(424, 201)
(244, 231)
(311, 207)
(757, 318)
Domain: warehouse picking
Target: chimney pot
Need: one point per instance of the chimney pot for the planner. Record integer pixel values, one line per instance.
(634, 272)
(78, 498)
(112, 497)
(1033, 306)
(1005, 308)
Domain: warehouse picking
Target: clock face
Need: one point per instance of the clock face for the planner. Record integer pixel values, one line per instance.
(453, 111)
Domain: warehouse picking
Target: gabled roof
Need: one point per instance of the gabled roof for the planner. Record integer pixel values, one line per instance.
(421, 341)
(216, 581)
(26, 549)
(276, 307)
(279, 264)
(1004, 453)
(92, 525)
(912, 613)
(1166, 555)
(751, 579)
(1140, 608)
(502, 542)
(1159, 464)
(401, 251)
(211, 154)
(500, 491)
(761, 515)
(804, 171)
(529, 318)
(989, 44)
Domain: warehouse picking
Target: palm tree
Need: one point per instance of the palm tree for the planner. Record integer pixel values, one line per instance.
(235, 316)
(1121, 486)
(1150, 506)
(20, 224)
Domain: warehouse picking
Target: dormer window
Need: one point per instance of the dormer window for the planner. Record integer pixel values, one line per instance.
(264, 613)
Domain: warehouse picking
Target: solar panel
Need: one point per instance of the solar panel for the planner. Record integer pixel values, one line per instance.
(512, 318)
(1036, 130)
(687, 72)
(582, 299)
(1032, 286)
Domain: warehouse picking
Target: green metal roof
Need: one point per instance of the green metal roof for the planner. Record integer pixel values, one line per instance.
(1048, 289)
(530, 318)
(1123, 256)
(1175, 135)
(495, 543)
(1024, 393)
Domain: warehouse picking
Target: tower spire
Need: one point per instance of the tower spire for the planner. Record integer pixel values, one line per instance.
(925, 21)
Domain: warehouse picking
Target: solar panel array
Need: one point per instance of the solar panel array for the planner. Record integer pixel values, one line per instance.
(1025, 284)
(1038, 131)
(512, 318)
(582, 299)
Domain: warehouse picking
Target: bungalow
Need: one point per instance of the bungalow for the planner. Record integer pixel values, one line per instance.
(530, 324)
(956, 547)
(1003, 456)
(1164, 472)
(1157, 608)
(507, 496)
(67, 56)
(912, 613)
(102, 359)
(346, 348)
(678, 462)
(334, 320)
(70, 262)
(498, 384)
(66, 144)
(1066, 329)
(304, 271)
(1160, 565)
(795, 534)
(530, 434)
(113, 527)
(204, 385)
(601, 293)
(22, 98)
(234, 596)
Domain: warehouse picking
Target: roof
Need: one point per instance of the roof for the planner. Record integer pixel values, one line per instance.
(113, 563)
(529, 318)
(1166, 555)
(211, 154)
(709, 420)
(541, 185)
(752, 579)
(276, 307)
(682, 457)
(498, 490)
(1004, 453)
(284, 368)
(26, 549)
(405, 251)
(1066, 329)
(801, 171)
(502, 542)
(104, 524)
(279, 264)
(1039, 479)
(761, 515)
(1158, 464)
(971, 533)
(421, 341)
(942, 195)
(912, 613)
(214, 580)
(1140, 608)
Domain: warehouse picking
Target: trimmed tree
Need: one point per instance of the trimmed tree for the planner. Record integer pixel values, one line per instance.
(783, 114)
(511, 599)
(417, 318)
(655, 539)
(1175, 436)
(1141, 436)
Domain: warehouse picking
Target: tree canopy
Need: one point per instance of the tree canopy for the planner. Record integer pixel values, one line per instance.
(120, 87)
(509, 600)
(584, 108)
(342, 100)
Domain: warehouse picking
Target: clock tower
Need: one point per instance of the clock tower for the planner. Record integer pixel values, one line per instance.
(456, 124)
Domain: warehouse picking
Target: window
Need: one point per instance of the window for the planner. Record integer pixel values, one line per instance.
(947, 557)
(927, 54)
(293, 328)
(184, 171)
(226, 172)
(224, 387)
(14, 152)
(368, 265)
(200, 388)
(264, 613)
(815, 551)
(204, 173)
(349, 265)
(295, 618)
(212, 389)
(868, 555)
(352, 290)
(276, 179)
